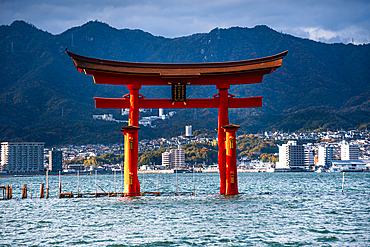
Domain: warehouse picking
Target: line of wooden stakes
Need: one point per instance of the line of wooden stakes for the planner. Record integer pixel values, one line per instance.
(8, 190)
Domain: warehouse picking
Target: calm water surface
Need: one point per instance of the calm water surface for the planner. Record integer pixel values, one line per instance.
(273, 209)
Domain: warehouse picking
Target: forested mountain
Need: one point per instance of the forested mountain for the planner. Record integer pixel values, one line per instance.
(44, 98)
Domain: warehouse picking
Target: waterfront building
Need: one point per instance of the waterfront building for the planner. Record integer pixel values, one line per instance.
(348, 165)
(309, 155)
(291, 155)
(349, 151)
(166, 159)
(325, 156)
(22, 156)
(55, 160)
(177, 157)
(75, 167)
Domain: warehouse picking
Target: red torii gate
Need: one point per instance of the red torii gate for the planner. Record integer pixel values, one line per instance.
(178, 75)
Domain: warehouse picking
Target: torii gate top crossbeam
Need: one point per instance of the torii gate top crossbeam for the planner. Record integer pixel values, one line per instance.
(131, 73)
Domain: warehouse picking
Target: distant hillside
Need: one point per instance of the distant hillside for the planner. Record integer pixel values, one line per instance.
(318, 86)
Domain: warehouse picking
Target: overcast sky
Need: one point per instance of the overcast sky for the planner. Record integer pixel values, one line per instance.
(329, 21)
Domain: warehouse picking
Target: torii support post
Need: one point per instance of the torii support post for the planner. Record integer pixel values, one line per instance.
(231, 166)
(131, 181)
(223, 120)
(134, 104)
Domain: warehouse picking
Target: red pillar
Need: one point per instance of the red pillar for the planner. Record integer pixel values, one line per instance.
(231, 165)
(223, 120)
(134, 105)
(131, 132)
(131, 181)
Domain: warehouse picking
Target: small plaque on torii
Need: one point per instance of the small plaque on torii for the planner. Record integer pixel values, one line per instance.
(178, 92)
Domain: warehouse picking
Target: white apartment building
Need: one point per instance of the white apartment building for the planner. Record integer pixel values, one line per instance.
(175, 158)
(189, 130)
(291, 155)
(161, 112)
(325, 156)
(22, 156)
(166, 159)
(349, 151)
(105, 117)
(309, 155)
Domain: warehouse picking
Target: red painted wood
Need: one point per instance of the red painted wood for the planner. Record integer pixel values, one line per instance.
(223, 119)
(231, 172)
(114, 103)
(131, 180)
(157, 80)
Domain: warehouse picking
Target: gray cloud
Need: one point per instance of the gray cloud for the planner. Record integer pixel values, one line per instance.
(326, 21)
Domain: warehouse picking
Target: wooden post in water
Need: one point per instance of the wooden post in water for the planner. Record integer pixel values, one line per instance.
(78, 183)
(158, 181)
(11, 191)
(24, 191)
(343, 181)
(143, 183)
(121, 181)
(60, 190)
(47, 184)
(176, 183)
(193, 182)
(7, 187)
(60, 187)
(6, 192)
(96, 183)
(42, 191)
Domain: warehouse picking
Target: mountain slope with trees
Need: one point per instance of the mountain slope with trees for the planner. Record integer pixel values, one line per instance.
(44, 98)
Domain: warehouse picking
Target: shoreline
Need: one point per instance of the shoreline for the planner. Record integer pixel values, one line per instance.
(139, 172)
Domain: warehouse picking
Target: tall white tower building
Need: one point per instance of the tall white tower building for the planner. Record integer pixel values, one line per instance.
(291, 155)
(309, 157)
(161, 112)
(325, 156)
(166, 159)
(177, 157)
(349, 151)
(188, 130)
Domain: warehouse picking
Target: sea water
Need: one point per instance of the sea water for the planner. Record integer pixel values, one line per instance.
(272, 209)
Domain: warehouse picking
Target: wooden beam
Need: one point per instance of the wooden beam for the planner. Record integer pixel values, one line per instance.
(113, 103)
(156, 80)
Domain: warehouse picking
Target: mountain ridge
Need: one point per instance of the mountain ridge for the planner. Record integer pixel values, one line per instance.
(39, 80)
